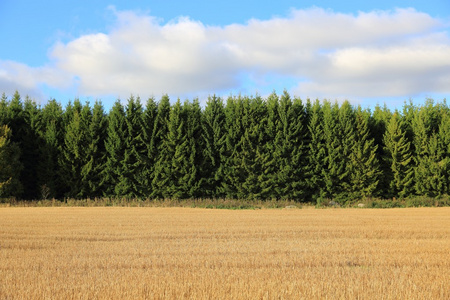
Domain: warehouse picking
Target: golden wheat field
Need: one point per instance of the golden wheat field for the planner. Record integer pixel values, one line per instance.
(185, 253)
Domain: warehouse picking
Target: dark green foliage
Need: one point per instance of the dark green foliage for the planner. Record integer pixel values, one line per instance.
(176, 164)
(52, 135)
(159, 150)
(232, 178)
(75, 156)
(317, 153)
(444, 147)
(399, 157)
(377, 127)
(10, 165)
(278, 149)
(165, 118)
(290, 150)
(213, 140)
(250, 161)
(23, 120)
(363, 166)
(96, 151)
(132, 164)
(270, 156)
(431, 160)
(148, 155)
(113, 180)
(431, 170)
(195, 146)
(335, 172)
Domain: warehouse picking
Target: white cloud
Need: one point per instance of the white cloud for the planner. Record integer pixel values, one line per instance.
(27, 80)
(374, 54)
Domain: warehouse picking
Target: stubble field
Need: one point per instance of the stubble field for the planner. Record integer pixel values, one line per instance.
(183, 253)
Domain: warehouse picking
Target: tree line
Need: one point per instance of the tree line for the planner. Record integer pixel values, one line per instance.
(242, 147)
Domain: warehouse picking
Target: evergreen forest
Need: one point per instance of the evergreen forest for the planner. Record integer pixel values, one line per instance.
(242, 147)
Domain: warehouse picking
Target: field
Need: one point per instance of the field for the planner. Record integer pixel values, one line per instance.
(185, 253)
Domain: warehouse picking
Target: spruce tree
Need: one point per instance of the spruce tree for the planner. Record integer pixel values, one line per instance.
(316, 153)
(269, 179)
(444, 148)
(10, 165)
(4, 103)
(363, 163)
(377, 125)
(52, 136)
(232, 178)
(291, 149)
(421, 155)
(347, 139)
(95, 152)
(431, 163)
(158, 137)
(173, 162)
(132, 165)
(30, 148)
(115, 151)
(193, 115)
(75, 154)
(431, 170)
(213, 140)
(148, 156)
(22, 119)
(399, 158)
(334, 170)
(251, 160)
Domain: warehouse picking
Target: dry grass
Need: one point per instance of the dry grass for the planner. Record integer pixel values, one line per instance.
(183, 253)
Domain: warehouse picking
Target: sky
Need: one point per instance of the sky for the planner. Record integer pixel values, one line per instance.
(367, 52)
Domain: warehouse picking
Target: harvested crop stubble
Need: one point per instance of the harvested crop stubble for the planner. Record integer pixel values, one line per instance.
(182, 253)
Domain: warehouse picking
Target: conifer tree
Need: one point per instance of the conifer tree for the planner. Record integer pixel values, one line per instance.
(399, 157)
(115, 151)
(270, 159)
(10, 165)
(407, 116)
(3, 109)
(52, 136)
(347, 140)
(148, 156)
(172, 164)
(157, 147)
(420, 150)
(193, 115)
(232, 179)
(364, 166)
(444, 148)
(431, 163)
(95, 151)
(431, 170)
(377, 124)
(316, 153)
(432, 114)
(213, 138)
(251, 159)
(334, 171)
(132, 165)
(22, 119)
(30, 148)
(159, 135)
(75, 154)
(291, 149)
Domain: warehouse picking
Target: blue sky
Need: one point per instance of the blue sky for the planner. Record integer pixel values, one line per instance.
(368, 52)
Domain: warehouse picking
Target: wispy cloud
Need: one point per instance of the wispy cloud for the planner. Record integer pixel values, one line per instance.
(371, 54)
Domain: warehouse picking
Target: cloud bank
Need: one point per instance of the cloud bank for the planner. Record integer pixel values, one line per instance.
(327, 54)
